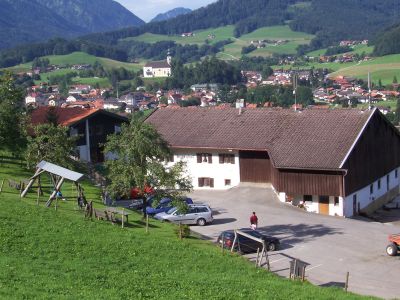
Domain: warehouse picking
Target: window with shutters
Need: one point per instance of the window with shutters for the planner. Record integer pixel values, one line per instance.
(206, 182)
(204, 158)
(226, 158)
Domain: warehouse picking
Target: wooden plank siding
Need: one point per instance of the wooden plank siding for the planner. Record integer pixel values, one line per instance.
(255, 166)
(376, 154)
(303, 182)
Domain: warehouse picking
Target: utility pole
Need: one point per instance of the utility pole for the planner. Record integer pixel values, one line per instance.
(295, 90)
(369, 91)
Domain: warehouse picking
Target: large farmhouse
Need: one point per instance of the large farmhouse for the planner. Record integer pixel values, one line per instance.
(92, 126)
(340, 162)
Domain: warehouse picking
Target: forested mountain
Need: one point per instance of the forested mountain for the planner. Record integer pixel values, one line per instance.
(338, 20)
(24, 21)
(388, 42)
(173, 13)
(330, 20)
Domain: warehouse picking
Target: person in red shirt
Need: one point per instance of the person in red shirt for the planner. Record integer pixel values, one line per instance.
(253, 221)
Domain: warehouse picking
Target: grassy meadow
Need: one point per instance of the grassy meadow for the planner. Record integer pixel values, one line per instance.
(80, 58)
(48, 254)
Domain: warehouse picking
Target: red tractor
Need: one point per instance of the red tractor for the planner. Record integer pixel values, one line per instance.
(394, 247)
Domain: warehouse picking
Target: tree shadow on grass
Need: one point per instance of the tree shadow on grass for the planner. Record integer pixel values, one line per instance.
(143, 224)
(291, 234)
(333, 284)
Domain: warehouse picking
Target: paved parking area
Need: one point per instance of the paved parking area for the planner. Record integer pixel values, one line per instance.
(331, 246)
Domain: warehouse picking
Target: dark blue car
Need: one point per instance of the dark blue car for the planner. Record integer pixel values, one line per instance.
(164, 205)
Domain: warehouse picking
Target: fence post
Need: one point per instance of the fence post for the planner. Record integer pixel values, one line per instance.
(346, 285)
(147, 223)
(258, 253)
(1, 187)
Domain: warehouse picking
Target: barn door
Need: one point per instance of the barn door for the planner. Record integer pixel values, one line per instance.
(255, 166)
(324, 205)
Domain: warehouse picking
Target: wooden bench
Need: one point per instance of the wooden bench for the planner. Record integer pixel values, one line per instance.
(102, 214)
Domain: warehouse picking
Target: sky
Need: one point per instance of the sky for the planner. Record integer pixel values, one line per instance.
(148, 9)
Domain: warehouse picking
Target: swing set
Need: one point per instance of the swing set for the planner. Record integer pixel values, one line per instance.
(58, 175)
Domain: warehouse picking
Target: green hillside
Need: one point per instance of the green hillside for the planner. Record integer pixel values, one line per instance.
(80, 58)
(233, 51)
(384, 68)
(359, 49)
(48, 254)
(221, 33)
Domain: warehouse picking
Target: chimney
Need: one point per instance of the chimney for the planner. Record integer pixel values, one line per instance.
(240, 110)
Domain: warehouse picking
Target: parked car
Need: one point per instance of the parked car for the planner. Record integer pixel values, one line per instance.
(199, 214)
(164, 205)
(248, 245)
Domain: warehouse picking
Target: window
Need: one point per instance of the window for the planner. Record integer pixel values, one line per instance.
(204, 158)
(307, 198)
(396, 173)
(379, 184)
(204, 181)
(227, 182)
(336, 201)
(371, 189)
(226, 158)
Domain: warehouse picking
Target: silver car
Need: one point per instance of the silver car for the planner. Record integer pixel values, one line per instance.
(199, 214)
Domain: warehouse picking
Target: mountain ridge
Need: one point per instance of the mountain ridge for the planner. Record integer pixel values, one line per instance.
(173, 13)
(25, 21)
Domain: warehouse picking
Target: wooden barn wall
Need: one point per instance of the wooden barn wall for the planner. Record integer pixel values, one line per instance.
(376, 154)
(297, 182)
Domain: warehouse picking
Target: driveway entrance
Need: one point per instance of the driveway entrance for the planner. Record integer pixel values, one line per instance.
(331, 246)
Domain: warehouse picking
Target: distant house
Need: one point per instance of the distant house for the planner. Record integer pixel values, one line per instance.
(339, 162)
(158, 68)
(35, 99)
(204, 87)
(92, 126)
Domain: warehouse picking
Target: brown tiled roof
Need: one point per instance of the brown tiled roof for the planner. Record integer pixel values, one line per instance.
(311, 139)
(158, 64)
(67, 116)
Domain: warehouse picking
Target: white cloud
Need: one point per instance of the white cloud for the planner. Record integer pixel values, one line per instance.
(147, 9)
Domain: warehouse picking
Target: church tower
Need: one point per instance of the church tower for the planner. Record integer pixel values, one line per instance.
(169, 58)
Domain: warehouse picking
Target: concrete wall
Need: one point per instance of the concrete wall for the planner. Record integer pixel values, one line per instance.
(215, 170)
(368, 201)
(313, 206)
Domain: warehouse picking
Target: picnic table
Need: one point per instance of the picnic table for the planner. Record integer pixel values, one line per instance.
(118, 211)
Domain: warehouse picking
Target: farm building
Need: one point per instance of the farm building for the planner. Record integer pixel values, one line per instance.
(91, 125)
(339, 162)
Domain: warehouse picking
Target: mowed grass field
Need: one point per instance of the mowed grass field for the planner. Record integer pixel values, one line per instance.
(383, 68)
(200, 36)
(357, 49)
(233, 51)
(48, 254)
(80, 58)
(76, 58)
(267, 33)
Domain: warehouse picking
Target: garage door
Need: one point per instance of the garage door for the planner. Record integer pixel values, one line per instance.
(255, 166)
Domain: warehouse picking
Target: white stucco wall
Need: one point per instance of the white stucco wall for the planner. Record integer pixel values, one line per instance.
(215, 170)
(364, 197)
(313, 206)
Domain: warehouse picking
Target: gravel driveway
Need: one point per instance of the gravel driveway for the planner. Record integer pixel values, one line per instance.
(331, 246)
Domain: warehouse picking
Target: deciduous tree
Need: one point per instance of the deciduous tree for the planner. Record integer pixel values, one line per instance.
(141, 154)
